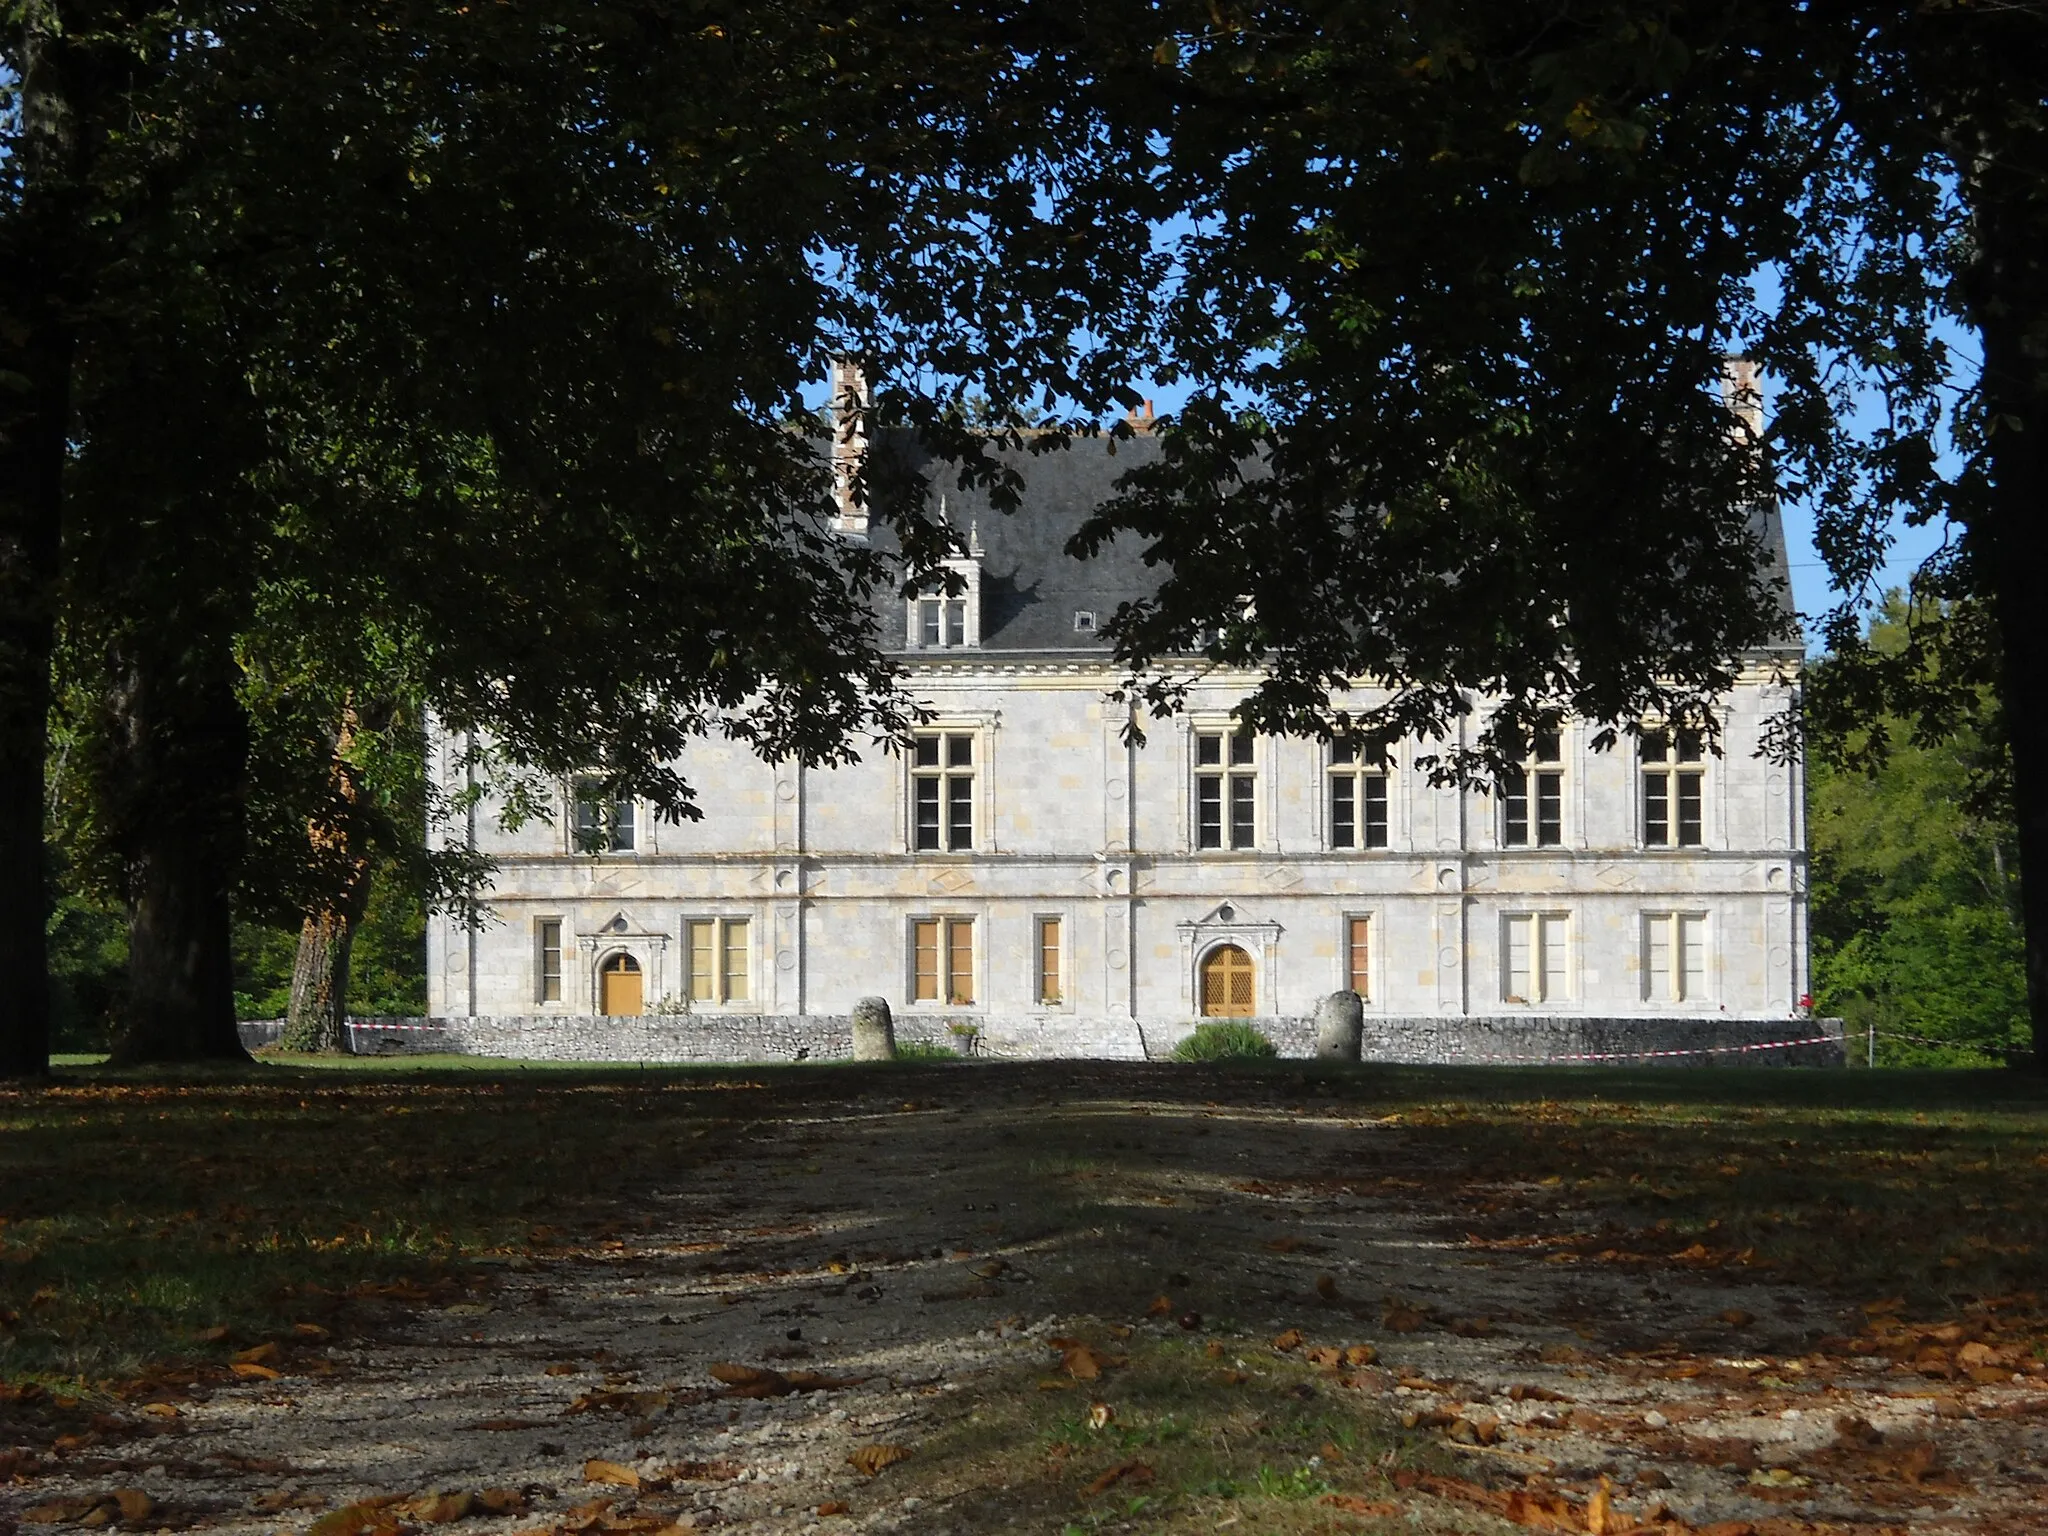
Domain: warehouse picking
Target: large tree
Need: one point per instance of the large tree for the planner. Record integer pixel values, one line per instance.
(1457, 294)
(487, 326)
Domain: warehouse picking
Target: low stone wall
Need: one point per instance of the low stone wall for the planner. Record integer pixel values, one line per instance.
(1430, 1039)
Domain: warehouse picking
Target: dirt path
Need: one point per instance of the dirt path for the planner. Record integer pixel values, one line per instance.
(932, 1248)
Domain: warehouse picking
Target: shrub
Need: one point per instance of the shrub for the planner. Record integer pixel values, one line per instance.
(925, 1050)
(1225, 1042)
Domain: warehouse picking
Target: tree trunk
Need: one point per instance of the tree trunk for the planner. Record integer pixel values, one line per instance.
(2010, 298)
(36, 348)
(319, 1007)
(319, 1010)
(183, 753)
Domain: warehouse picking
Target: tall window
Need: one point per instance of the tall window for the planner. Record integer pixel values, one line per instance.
(718, 960)
(1674, 957)
(1535, 954)
(1358, 955)
(1358, 794)
(548, 941)
(941, 622)
(1226, 790)
(1050, 991)
(604, 820)
(942, 792)
(1227, 989)
(942, 960)
(1673, 777)
(1532, 798)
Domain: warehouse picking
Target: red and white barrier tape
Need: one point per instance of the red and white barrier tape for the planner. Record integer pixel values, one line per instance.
(1703, 1050)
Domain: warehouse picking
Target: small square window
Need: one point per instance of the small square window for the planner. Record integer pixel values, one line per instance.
(1084, 622)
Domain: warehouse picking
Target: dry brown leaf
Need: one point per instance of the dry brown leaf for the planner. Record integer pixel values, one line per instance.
(1473, 1327)
(262, 1354)
(1083, 1363)
(1400, 1318)
(1162, 1306)
(869, 1460)
(1735, 1317)
(443, 1508)
(1129, 1471)
(217, 1334)
(501, 1501)
(162, 1410)
(134, 1504)
(59, 1511)
(1328, 1356)
(1326, 1287)
(360, 1519)
(1360, 1354)
(1290, 1340)
(563, 1369)
(249, 1370)
(1358, 1504)
(311, 1331)
(1099, 1415)
(835, 1507)
(611, 1473)
(1213, 1349)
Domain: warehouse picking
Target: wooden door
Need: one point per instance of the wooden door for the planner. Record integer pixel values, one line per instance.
(1227, 991)
(619, 986)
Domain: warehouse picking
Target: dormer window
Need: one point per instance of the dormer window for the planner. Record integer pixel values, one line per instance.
(947, 620)
(941, 622)
(1084, 622)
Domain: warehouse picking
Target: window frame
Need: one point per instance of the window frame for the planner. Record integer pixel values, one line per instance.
(1671, 771)
(541, 950)
(955, 787)
(1060, 994)
(610, 813)
(1678, 986)
(946, 926)
(1541, 924)
(721, 924)
(1348, 973)
(1236, 782)
(1538, 780)
(1350, 762)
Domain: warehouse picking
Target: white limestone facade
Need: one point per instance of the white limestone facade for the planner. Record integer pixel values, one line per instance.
(1028, 873)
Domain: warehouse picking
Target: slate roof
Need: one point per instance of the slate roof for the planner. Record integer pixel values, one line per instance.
(1031, 588)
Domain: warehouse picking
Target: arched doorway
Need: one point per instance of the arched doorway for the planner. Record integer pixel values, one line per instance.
(1227, 991)
(618, 986)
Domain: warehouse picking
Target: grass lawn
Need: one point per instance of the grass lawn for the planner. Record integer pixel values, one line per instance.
(149, 1220)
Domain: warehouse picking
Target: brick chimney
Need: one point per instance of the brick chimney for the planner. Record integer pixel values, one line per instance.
(1742, 392)
(850, 401)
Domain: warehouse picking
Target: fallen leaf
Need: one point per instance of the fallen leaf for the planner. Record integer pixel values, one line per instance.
(563, 1369)
(1099, 1415)
(501, 1501)
(1398, 1318)
(1162, 1306)
(361, 1519)
(871, 1459)
(162, 1410)
(59, 1511)
(1473, 1327)
(134, 1504)
(835, 1507)
(442, 1508)
(310, 1331)
(610, 1472)
(217, 1334)
(262, 1354)
(249, 1370)
(1360, 1354)
(1326, 1287)
(1290, 1340)
(1132, 1471)
(1735, 1317)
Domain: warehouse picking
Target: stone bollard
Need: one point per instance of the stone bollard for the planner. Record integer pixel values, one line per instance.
(874, 1032)
(1340, 1027)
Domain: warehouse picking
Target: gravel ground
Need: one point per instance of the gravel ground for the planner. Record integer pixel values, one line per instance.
(923, 1253)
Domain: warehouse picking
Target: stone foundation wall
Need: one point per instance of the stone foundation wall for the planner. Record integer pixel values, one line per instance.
(1430, 1039)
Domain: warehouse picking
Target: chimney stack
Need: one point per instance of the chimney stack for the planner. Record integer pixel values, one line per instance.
(850, 403)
